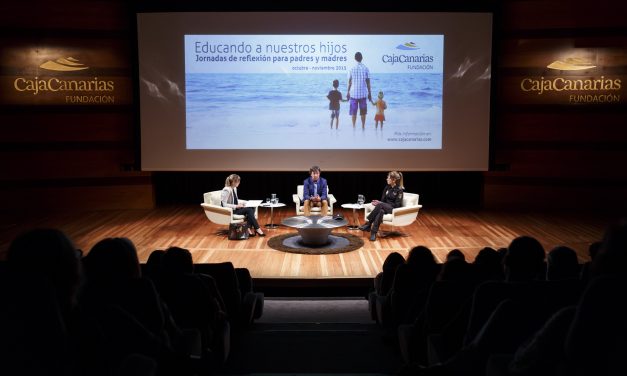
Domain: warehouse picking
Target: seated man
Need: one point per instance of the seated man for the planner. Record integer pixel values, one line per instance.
(315, 192)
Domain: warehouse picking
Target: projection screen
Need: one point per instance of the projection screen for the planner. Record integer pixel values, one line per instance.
(280, 91)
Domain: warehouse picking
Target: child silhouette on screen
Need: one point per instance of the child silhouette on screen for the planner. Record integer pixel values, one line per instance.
(381, 106)
(335, 97)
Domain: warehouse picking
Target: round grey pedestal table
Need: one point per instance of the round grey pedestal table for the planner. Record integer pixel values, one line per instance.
(314, 230)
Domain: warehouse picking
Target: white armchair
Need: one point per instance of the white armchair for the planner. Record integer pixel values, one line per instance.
(298, 199)
(217, 213)
(403, 216)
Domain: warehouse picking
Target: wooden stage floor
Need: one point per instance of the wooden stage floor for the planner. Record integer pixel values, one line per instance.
(186, 226)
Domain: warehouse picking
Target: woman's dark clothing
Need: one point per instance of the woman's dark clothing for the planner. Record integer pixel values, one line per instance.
(391, 198)
(229, 200)
(249, 213)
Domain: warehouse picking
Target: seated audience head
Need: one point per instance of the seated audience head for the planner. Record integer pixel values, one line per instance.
(562, 264)
(455, 254)
(48, 254)
(488, 255)
(422, 262)
(489, 264)
(612, 256)
(112, 260)
(153, 268)
(455, 269)
(391, 262)
(177, 261)
(524, 260)
(593, 249)
(420, 256)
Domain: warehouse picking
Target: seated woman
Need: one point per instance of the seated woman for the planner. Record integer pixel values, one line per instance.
(229, 200)
(392, 197)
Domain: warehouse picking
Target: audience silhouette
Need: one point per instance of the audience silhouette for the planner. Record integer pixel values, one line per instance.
(507, 313)
(124, 317)
(562, 264)
(383, 282)
(38, 290)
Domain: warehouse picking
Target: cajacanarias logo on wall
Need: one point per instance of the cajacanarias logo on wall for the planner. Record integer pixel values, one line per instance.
(66, 81)
(60, 72)
(576, 89)
(64, 65)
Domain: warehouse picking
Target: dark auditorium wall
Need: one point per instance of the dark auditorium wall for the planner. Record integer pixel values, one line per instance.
(544, 155)
(71, 156)
(553, 155)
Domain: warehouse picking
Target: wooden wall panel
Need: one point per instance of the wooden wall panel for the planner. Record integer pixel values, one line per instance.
(593, 129)
(36, 128)
(545, 15)
(87, 15)
(76, 198)
(59, 164)
(61, 156)
(548, 152)
(526, 52)
(544, 196)
(582, 164)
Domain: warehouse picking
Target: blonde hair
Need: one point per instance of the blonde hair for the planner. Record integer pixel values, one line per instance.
(398, 178)
(231, 179)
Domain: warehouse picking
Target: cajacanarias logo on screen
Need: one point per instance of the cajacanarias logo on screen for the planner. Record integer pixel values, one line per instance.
(407, 59)
(407, 46)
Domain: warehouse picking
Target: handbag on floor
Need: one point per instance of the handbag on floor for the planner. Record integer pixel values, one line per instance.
(238, 231)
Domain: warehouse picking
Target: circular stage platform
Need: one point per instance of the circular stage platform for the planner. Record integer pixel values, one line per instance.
(336, 243)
